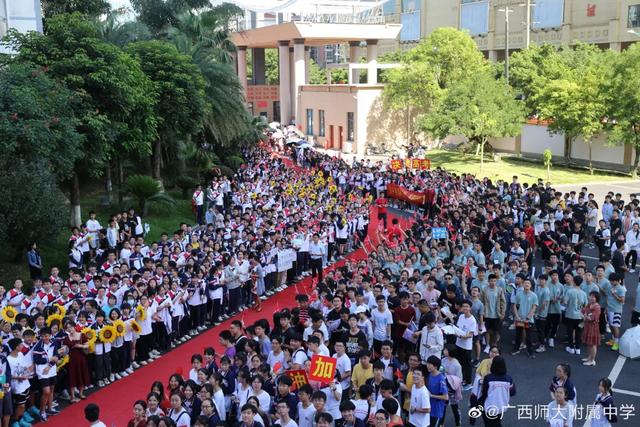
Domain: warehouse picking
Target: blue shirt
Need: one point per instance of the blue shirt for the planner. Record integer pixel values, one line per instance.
(575, 299)
(525, 302)
(437, 385)
(613, 304)
(544, 296)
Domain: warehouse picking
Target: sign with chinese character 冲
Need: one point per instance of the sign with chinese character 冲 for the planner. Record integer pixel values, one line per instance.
(298, 377)
(323, 368)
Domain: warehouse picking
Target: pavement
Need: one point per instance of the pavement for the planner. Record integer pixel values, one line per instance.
(533, 377)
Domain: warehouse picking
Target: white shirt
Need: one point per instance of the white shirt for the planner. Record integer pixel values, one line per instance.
(380, 322)
(343, 365)
(19, 366)
(466, 324)
(305, 416)
(419, 400)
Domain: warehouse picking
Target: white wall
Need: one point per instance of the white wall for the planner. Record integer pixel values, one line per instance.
(536, 139)
(600, 151)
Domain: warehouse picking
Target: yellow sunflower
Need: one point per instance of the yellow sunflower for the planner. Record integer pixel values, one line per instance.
(63, 361)
(141, 313)
(9, 314)
(53, 317)
(60, 309)
(92, 347)
(90, 334)
(135, 327)
(107, 334)
(120, 327)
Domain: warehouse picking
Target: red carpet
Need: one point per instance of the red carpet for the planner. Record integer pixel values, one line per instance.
(116, 400)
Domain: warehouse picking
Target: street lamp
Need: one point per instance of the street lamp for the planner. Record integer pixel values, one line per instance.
(527, 35)
(506, 11)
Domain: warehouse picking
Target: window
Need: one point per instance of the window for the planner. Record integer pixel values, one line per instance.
(634, 16)
(321, 117)
(309, 121)
(276, 111)
(350, 127)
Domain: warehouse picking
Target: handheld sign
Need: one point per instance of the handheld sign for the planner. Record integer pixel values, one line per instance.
(298, 376)
(323, 368)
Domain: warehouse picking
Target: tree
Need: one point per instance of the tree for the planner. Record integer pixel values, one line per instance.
(115, 99)
(91, 8)
(530, 69)
(146, 191)
(160, 15)
(122, 33)
(575, 103)
(624, 114)
(271, 66)
(428, 70)
(317, 75)
(179, 89)
(479, 107)
(547, 157)
(37, 121)
(32, 207)
(206, 39)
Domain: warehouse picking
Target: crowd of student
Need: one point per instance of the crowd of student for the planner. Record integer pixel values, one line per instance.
(407, 325)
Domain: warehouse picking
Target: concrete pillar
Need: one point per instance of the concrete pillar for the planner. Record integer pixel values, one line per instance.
(299, 76)
(285, 85)
(615, 46)
(493, 55)
(242, 68)
(258, 66)
(307, 63)
(372, 62)
(292, 87)
(354, 58)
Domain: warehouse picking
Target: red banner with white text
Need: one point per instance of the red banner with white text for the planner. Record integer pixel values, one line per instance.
(395, 191)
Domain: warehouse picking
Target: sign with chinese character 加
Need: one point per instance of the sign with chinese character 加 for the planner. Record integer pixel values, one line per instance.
(323, 368)
(298, 377)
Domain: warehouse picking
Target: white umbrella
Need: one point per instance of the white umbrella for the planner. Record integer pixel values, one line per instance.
(630, 343)
(277, 134)
(305, 145)
(274, 125)
(294, 130)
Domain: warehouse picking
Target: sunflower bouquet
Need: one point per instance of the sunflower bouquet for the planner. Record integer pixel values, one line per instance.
(135, 327)
(107, 334)
(90, 334)
(55, 317)
(63, 361)
(60, 309)
(9, 314)
(141, 313)
(119, 327)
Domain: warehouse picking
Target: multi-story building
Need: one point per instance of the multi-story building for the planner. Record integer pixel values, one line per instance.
(23, 15)
(610, 24)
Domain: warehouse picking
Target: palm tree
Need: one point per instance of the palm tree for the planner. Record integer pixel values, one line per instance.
(205, 37)
(122, 33)
(147, 190)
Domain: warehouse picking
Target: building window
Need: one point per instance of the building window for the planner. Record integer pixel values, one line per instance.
(634, 16)
(276, 111)
(309, 121)
(350, 135)
(321, 117)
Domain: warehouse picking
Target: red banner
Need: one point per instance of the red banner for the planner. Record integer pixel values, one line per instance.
(323, 368)
(394, 191)
(413, 163)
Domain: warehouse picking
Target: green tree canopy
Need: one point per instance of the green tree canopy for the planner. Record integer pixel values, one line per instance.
(624, 112)
(92, 8)
(445, 57)
(115, 98)
(575, 102)
(37, 121)
(160, 15)
(179, 88)
(479, 107)
(32, 207)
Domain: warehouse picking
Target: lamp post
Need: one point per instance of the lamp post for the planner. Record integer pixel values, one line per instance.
(527, 34)
(506, 11)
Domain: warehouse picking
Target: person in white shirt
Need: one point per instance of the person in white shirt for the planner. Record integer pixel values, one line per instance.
(93, 226)
(561, 412)
(283, 415)
(197, 201)
(420, 405)
(343, 366)
(92, 414)
(468, 328)
(431, 338)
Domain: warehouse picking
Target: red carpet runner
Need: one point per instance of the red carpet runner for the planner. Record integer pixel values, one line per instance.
(116, 400)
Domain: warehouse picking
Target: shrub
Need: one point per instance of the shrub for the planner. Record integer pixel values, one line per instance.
(234, 162)
(186, 184)
(147, 190)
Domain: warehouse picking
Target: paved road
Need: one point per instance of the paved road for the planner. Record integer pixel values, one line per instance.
(532, 377)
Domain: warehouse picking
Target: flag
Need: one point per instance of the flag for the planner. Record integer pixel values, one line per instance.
(398, 374)
(277, 367)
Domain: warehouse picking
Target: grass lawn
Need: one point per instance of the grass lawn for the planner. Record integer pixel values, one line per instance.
(507, 167)
(159, 220)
